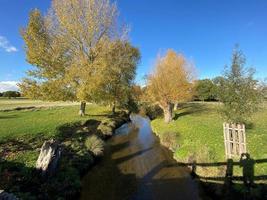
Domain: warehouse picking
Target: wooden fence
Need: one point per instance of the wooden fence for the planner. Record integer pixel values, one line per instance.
(234, 139)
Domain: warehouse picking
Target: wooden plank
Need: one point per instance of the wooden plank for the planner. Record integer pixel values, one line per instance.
(245, 143)
(234, 139)
(240, 139)
(225, 131)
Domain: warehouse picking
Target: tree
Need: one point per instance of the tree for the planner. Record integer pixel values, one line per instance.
(239, 92)
(65, 47)
(205, 90)
(171, 82)
(137, 93)
(115, 81)
(11, 94)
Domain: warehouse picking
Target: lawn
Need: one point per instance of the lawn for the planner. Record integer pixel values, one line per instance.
(6, 103)
(22, 133)
(37, 125)
(199, 131)
(15, 124)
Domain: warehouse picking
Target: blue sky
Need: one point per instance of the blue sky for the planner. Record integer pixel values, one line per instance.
(205, 31)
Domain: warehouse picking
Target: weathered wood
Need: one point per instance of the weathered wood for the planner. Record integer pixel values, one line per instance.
(48, 157)
(234, 139)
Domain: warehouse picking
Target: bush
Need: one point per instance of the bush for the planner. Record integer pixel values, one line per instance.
(95, 145)
(152, 111)
(105, 130)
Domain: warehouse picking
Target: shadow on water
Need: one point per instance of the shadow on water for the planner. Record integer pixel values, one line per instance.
(136, 166)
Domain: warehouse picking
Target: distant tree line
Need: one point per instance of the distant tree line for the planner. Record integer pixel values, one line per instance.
(208, 89)
(10, 94)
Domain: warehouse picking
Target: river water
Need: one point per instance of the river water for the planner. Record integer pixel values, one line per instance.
(136, 166)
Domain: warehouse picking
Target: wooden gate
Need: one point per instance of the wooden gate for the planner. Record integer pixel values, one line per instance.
(234, 139)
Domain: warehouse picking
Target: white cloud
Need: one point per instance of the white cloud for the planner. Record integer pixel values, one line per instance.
(4, 44)
(8, 85)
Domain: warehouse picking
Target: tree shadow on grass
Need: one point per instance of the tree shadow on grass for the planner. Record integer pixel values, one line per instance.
(249, 125)
(27, 183)
(188, 109)
(9, 117)
(77, 129)
(10, 147)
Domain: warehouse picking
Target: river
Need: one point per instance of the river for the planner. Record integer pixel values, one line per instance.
(136, 167)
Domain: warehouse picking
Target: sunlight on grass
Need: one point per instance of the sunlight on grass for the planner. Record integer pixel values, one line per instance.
(43, 121)
(201, 127)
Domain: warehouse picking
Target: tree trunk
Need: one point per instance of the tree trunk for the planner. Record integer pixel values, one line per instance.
(114, 108)
(168, 113)
(82, 108)
(175, 106)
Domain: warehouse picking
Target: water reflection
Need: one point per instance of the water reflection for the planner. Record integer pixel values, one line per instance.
(136, 166)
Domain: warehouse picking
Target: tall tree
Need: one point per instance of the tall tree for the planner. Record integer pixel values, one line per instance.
(171, 82)
(239, 92)
(115, 80)
(65, 47)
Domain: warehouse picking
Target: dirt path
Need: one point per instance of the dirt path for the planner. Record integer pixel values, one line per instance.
(136, 166)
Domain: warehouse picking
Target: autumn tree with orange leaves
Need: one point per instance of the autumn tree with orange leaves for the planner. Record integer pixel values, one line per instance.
(171, 82)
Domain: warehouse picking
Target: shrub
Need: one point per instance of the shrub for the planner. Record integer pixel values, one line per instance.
(95, 145)
(105, 130)
(152, 111)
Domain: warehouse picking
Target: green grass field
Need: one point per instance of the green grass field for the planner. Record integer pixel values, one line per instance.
(6, 103)
(22, 133)
(199, 130)
(15, 124)
(44, 123)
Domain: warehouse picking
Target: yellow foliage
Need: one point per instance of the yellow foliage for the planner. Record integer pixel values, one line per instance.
(172, 79)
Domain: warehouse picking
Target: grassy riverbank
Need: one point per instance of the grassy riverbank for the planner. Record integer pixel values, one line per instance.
(199, 135)
(22, 134)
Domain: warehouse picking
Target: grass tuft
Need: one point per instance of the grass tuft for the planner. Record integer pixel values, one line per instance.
(95, 145)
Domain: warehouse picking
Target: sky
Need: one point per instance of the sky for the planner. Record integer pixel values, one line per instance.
(205, 31)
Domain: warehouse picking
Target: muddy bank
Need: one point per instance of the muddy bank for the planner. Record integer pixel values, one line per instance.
(136, 166)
